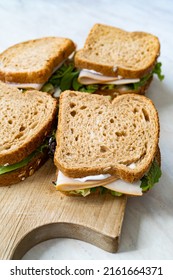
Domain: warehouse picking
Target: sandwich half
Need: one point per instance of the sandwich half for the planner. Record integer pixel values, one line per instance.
(106, 145)
(26, 122)
(30, 64)
(118, 61)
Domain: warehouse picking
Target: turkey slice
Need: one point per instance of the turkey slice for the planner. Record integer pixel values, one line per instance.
(88, 77)
(65, 183)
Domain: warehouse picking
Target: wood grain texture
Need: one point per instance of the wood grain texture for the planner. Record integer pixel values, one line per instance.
(33, 211)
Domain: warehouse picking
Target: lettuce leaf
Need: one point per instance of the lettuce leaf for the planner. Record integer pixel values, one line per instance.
(41, 149)
(66, 77)
(12, 167)
(101, 190)
(157, 70)
(48, 87)
(152, 177)
(84, 192)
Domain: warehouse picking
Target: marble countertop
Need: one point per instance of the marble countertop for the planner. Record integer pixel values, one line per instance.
(148, 224)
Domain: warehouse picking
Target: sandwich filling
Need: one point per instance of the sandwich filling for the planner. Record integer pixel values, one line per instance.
(86, 185)
(47, 147)
(36, 86)
(69, 77)
(89, 77)
(109, 182)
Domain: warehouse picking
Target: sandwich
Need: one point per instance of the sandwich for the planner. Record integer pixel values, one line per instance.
(112, 62)
(116, 61)
(27, 120)
(106, 145)
(30, 64)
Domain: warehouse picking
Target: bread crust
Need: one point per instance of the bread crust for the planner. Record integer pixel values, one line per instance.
(26, 148)
(120, 171)
(90, 57)
(22, 173)
(61, 48)
(96, 193)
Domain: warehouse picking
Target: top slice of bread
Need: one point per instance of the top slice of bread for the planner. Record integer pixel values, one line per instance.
(26, 118)
(113, 51)
(33, 61)
(99, 136)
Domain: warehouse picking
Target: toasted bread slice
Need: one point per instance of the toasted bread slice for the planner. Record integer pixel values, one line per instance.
(98, 136)
(25, 120)
(34, 61)
(113, 51)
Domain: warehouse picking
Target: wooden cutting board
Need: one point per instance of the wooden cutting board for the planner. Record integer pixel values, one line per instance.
(33, 211)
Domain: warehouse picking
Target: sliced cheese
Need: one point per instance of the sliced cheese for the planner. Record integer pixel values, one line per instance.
(88, 77)
(65, 183)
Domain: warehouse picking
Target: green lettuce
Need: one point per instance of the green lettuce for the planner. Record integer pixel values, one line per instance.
(152, 177)
(24, 162)
(48, 87)
(66, 77)
(100, 190)
(157, 70)
(84, 192)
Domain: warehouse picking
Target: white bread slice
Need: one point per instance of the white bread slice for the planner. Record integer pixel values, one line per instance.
(113, 51)
(99, 136)
(33, 61)
(26, 118)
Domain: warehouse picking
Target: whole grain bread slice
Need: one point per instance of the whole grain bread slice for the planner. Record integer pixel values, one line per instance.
(113, 51)
(99, 136)
(22, 173)
(26, 118)
(33, 61)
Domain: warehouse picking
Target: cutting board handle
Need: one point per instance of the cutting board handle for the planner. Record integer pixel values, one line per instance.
(66, 230)
(33, 211)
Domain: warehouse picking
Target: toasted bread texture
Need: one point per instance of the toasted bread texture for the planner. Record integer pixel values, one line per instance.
(113, 51)
(99, 136)
(26, 118)
(34, 61)
(22, 173)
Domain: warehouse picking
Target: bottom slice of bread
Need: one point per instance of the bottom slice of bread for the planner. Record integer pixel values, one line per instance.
(22, 173)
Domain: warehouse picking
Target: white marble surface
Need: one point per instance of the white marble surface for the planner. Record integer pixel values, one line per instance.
(148, 225)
